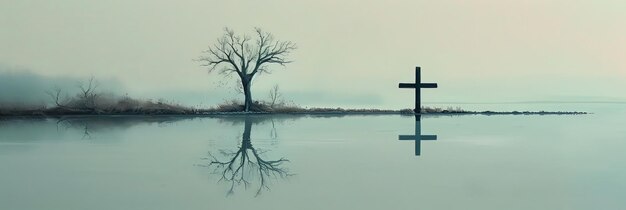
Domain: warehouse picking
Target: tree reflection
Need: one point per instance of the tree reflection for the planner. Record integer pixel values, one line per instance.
(245, 165)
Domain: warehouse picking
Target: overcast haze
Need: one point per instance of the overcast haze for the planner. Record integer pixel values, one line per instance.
(350, 53)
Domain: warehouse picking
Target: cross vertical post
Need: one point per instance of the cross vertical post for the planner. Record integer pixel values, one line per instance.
(418, 90)
(418, 85)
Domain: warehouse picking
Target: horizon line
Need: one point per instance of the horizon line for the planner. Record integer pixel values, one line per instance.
(529, 102)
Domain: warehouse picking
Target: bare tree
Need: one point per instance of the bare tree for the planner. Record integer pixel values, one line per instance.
(246, 57)
(88, 95)
(57, 97)
(275, 96)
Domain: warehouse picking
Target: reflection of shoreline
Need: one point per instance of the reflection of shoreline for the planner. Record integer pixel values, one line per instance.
(86, 125)
(292, 114)
(95, 123)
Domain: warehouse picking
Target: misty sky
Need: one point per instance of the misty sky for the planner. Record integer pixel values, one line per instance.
(350, 53)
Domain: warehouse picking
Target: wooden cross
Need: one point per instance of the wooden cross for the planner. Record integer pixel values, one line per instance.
(418, 137)
(418, 85)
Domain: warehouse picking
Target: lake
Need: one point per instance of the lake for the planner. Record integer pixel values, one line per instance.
(318, 162)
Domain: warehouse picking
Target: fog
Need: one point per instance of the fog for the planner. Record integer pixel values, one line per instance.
(23, 87)
(350, 53)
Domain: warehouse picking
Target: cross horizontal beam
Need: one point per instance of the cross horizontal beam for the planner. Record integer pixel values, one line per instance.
(413, 85)
(422, 137)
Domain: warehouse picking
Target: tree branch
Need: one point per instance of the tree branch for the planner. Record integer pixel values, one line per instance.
(234, 53)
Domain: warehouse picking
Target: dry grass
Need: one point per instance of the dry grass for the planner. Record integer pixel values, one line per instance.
(441, 110)
(265, 107)
(257, 106)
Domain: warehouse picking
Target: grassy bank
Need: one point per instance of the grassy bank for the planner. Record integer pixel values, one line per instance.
(128, 106)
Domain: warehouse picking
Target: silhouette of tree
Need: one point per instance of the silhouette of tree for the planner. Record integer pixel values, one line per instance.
(241, 55)
(88, 96)
(275, 96)
(57, 96)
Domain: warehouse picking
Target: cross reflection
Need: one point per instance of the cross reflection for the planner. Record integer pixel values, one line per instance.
(418, 137)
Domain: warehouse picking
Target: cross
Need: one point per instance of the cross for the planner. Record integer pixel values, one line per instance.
(418, 85)
(418, 137)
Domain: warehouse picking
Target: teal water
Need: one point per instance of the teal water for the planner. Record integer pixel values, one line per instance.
(308, 162)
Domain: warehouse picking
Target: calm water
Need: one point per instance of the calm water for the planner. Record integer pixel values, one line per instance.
(287, 162)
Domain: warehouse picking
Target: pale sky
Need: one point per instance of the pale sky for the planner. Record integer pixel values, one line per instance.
(350, 53)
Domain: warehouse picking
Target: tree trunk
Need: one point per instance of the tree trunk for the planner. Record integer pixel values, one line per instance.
(246, 83)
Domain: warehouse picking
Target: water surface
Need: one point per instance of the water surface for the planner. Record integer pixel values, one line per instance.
(313, 162)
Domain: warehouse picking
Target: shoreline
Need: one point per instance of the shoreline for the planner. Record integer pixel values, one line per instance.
(312, 113)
